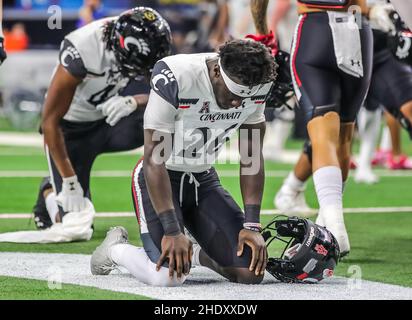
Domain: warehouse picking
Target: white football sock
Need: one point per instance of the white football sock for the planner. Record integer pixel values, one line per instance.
(328, 185)
(386, 143)
(332, 219)
(369, 125)
(319, 220)
(51, 206)
(293, 182)
(280, 133)
(329, 189)
(136, 261)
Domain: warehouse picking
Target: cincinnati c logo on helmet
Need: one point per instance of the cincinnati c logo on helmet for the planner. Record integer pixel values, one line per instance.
(141, 45)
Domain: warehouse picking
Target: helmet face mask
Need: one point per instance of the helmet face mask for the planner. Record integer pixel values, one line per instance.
(311, 252)
(139, 38)
(282, 89)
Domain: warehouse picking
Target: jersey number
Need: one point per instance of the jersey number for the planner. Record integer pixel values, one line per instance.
(101, 96)
(204, 141)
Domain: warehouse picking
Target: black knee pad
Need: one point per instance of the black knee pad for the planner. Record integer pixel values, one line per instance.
(307, 149)
(406, 124)
(319, 111)
(403, 121)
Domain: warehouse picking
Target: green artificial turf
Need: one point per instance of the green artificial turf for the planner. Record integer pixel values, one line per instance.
(28, 289)
(380, 242)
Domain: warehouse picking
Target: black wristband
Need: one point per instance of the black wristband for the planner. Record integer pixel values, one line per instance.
(169, 221)
(252, 213)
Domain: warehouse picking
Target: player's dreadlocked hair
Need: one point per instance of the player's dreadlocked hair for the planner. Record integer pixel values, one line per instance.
(107, 32)
(249, 61)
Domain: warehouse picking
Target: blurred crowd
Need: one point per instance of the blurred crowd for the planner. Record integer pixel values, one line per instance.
(197, 25)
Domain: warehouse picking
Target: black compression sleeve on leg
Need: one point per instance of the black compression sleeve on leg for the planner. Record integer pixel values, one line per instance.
(307, 149)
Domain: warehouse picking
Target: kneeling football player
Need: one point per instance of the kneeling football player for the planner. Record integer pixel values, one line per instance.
(196, 103)
(84, 114)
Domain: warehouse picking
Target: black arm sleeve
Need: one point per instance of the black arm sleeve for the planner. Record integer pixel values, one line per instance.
(70, 59)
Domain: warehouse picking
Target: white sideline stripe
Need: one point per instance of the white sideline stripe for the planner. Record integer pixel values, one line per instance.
(202, 283)
(265, 212)
(222, 173)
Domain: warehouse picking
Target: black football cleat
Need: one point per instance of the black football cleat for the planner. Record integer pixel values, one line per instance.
(41, 216)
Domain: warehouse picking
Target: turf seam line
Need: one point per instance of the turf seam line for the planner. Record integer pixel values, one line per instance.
(222, 173)
(264, 212)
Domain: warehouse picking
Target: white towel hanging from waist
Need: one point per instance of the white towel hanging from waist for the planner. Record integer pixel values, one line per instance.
(346, 42)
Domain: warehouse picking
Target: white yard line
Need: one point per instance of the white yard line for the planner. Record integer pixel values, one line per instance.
(222, 173)
(265, 212)
(33, 139)
(21, 139)
(200, 284)
(230, 152)
(98, 215)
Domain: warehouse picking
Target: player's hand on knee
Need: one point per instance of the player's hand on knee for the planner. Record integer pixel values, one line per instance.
(259, 251)
(178, 251)
(71, 198)
(116, 108)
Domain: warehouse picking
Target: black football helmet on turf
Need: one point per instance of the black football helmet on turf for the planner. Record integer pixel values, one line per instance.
(139, 38)
(282, 89)
(311, 252)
